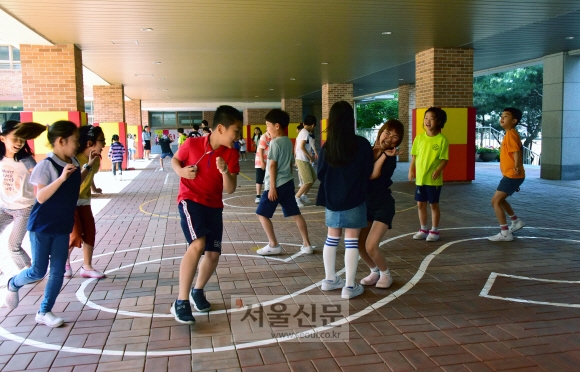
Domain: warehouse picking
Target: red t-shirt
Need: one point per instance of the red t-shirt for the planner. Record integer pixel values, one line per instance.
(207, 187)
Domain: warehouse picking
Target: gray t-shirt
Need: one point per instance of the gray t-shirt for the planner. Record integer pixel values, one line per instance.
(45, 173)
(281, 152)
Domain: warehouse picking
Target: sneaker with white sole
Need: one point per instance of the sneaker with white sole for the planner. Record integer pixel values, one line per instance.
(516, 225)
(200, 303)
(385, 281)
(350, 292)
(500, 237)
(94, 274)
(267, 250)
(11, 299)
(433, 236)
(68, 271)
(299, 202)
(49, 319)
(421, 234)
(182, 313)
(308, 249)
(305, 200)
(330, 285)
(257, 200)
(371, 279)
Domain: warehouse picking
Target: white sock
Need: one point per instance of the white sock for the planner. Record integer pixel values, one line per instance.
(375, 270)
(329, 256)
(434, 228)
(350, 260)
(385, 273)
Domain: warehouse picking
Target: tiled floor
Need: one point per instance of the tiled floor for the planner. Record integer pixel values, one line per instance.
(432, 318)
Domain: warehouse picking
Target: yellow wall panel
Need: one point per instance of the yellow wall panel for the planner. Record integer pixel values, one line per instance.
(455, 129)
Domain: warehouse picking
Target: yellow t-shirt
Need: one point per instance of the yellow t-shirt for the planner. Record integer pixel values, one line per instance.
(429, 151)
(511, 143)
(182, 138)
(85, 192)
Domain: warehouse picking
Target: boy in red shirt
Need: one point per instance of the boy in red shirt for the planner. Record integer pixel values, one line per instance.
(206, 166)
(512, 169)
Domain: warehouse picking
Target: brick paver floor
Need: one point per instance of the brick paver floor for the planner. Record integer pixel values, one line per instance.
(460, 304)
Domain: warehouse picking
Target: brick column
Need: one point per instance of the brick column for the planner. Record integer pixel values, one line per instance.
(109, 114)
(332, 93)
(208, 115)
(293, 106)
(254, 118)
(444, 78)
(406, 104)
(134, 124)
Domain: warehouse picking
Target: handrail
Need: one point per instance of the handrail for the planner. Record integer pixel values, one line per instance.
(494, 138)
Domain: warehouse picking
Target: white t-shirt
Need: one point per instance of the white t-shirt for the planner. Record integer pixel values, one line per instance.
(304, 135)
(45, 173)
(16, 192)
(242, 144)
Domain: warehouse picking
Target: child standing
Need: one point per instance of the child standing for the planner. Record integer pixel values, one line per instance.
(344, 167)
(512, 169)
(380, 204)
(16, 193)
(165, 143)
(260, 163)
(116, 153)
(256, 138)
(242, 149)
(57, 180)
(182, 137)
(430, 154)
(304, 160)
(279, 184)
(207, 166)
(91, 143)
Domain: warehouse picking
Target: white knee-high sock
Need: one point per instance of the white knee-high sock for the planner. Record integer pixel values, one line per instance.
(350, 260)
(329, 256)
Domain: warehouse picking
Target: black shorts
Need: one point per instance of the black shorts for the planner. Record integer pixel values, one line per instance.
(198, 220)
(510, 185)
(260, 174)
(147, 145)
(428, 193)
(286, 199)
(383, 211)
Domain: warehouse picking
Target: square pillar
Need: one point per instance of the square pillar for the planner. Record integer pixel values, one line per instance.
(253, 118)
(332, 93)
(109, 114)
(135, 124)
(208, 115)
(406, 105)
(293, 106)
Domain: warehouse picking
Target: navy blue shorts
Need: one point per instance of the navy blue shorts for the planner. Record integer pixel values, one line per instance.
(198, 220)
(286, 199)
(428, 193)
(260, 174)
(510, 185)
(384, 211)
(166, 154)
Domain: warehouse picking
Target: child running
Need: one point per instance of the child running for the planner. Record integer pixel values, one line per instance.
(116, 153)
(57, 180)
(16, 193)
(260, 163)
(304, 160)
(430, 154)
(91, 143)
(206, 166)
(380, 204)
(279, 185)
(345, 164)
(512, 169)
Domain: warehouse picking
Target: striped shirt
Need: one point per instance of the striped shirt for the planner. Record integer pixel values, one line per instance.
(116, 152)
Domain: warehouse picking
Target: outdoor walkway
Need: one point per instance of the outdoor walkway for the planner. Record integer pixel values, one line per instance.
(460, 304)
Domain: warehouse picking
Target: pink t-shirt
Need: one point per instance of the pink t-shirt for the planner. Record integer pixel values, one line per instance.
(263, 144)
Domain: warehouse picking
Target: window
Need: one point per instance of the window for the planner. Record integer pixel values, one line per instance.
(179, 119)
(9, 58)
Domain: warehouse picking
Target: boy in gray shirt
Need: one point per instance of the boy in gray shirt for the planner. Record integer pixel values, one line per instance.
(279, 184)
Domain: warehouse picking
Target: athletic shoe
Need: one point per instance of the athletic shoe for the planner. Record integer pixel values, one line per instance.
(329, 285)
(11, 299)
(257, 200)
(433, 236)
(422, 234)
(161, 169)
(92, 274)
(121, 178)
(49, 319)
(299, 202)
(501, 237)
(199, 301)
(267, 250)
(182, 313)
(371, 279)
(307, 249)
(350, 292)
(67, 271)
(516, 225)
(385, 281)
(305, 200)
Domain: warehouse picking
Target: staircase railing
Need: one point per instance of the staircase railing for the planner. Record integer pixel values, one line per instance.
(491, 137)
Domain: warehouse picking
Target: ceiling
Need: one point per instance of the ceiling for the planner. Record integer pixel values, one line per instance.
(263, 51)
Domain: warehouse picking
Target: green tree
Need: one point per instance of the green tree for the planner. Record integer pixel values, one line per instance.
(375, 113)
(520, 88)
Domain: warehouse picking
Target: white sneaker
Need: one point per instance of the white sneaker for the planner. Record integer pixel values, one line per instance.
(420, 235)
(161, 169)
(49, 319)
(299, 202)
(385, 281)
(121, 178)
(501, 237)
(267, 250)
(307, 249)
(433, 236)
(348, 293)
(257, 200)
(305, 200)
(371, 279)
(329, 285)
(11, 298)
(516, 225)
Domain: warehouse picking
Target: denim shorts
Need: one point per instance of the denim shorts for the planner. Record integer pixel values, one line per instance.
(355, 218)
(510, 185)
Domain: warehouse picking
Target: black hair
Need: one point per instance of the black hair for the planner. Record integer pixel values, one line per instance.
(440, 114)
(300, 127)
(206, 129)
(145, 127)
(277, 116)
(195, 127)
(516, 113)
(310, 120)
(341, 142)
(180, 130)
(62, 128)
(259, 130)
(115, 138)
(226, 116)
(88, 133)
(204, 122)
(394, 125)
(26, 131)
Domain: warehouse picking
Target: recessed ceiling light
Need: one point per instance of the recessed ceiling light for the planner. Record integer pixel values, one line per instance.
(156, 63)
(165, 90)
(569, 37)
(147, 29)
(256, 96)
(324, 63)
(360, 89)
(125, 42)
(386, 32)
(162, 78)
(271, 88)
(292, 79)
(401, 79)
